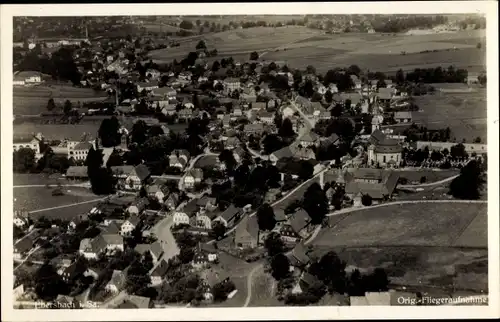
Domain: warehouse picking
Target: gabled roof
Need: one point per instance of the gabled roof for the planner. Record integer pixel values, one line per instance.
(135, 302)
(112, 239)
(77, 171)
(134, 220)
(300, 254)
(112, 228)
(214, 276)
(247, 227)
(299, 220)
(230, 212)
(161, 269)
(140, 203)
(155, 248)
(191, 207)
(142, 171)
(117, 279)
(196, 173)
(123, 169)
(309, 137)
(83, 146)
(285, 152)
(403, 115)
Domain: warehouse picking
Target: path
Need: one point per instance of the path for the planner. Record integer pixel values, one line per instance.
(27, 256)
(430, 184)
(191, 164)
(401, 202)
(68, 205)
(281, 47)
(167, 240)
(249, 283)
(83, 185)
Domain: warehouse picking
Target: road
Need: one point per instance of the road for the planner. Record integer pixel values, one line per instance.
(191, 164)
(430, 184)
(309, 122)
(68, 205)
(250, 283)
(165, 237)
(83, 185)
(26, 257)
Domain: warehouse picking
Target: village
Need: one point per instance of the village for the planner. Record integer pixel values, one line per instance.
(203, 167)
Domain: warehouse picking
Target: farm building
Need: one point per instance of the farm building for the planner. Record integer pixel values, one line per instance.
(378, 184)
(403, 117)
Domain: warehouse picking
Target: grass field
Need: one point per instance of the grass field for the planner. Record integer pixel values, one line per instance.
(432, 176)
(406, 225)
(376, 52)
(56, 131)
(31, 199)
(33, 100)
(464, 113)
(36, 179)
(422, 245)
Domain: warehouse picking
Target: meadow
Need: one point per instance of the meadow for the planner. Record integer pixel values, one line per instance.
(301, 46)
(430, 246)
(56, 131)
(464, 113)
(33, 100)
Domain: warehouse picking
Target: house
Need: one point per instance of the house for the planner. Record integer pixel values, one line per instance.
(385, 152)
(32, 143)
(356, 81)
(229, 216)
(77, 173)
(287, 112)
(300, 222)
(136, 302)
(21, 219)
(169, 109)
(265, 116)
(79, 152)
(247, 233)
(282, 153)
(299, 256)
(305, 282)
(231, 84)
(231, 143)
(144, 86)
(129, 225)
(212, 277)
(286, 232)
(138, 206)
(193, 176)
(117, 282)
(27, 78)
(22, 247)
(158, 273)
(403, 117)
(389, 298)
(18, 291)
(203, 255)
(158, 192)
(386, 94)
(188, 211)
(65, 301)
(112, 228)
(172, 201)
(179, 158)
(254, 129)
(77, 220)
(186, 114)
(131, 177)
(378, 184)
(239, 154)
(309, 139)
(103, 243)
(331, 140)
(207, 203)
(71, 272)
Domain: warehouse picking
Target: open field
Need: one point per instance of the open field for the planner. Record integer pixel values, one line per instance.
(31, 199)
(20, 179)
(432, 176)
(239, 41)
(464, 113)
(56, 131)
(264, 288)
(33, 100)
(423, 224)
(376, 52)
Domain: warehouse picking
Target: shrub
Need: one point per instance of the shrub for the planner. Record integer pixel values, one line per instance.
(366, 200)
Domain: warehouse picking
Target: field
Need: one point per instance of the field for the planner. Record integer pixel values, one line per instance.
(33, 100)
(431, 245)
(431, 176)
(464, 113)
(35, 199)
(423, 224)
(376, 52)
(21, 179)
(56, 131)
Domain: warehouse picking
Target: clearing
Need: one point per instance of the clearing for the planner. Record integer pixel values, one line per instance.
(423, 224)
(464, 113)
(33, 199)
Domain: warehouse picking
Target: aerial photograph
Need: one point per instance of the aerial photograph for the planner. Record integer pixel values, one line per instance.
(249, 161)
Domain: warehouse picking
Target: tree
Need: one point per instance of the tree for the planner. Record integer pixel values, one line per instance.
(469, 183)
(310, 69)
(201, 45)
(221, 290)
(400, 77)
(315, 203)
(67, 107)
(330, 269)
(272, 143)
(274, 244)
(477, 140)
(377, 281)
(109, 132)
(227, 158)
(366, 200)
(218, 230)
(186, 24)
(48, 283)
(337, 110)
(306, 170)
(423, 179)
(265, 217)
(254, 56)
(355, 286)
(24, 160)
(458, 151)
(114, 160)
(328, 97)
(280, 267)
(51, 105)
(139, 132)
(286, 129)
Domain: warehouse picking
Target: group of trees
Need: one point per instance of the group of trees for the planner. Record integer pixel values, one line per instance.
(315, 203)
(468, 185)
(437, 75)
(402, 24)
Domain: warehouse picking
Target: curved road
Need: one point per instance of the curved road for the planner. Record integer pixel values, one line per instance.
(69, 205)
(249, 283)
(430, 184)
